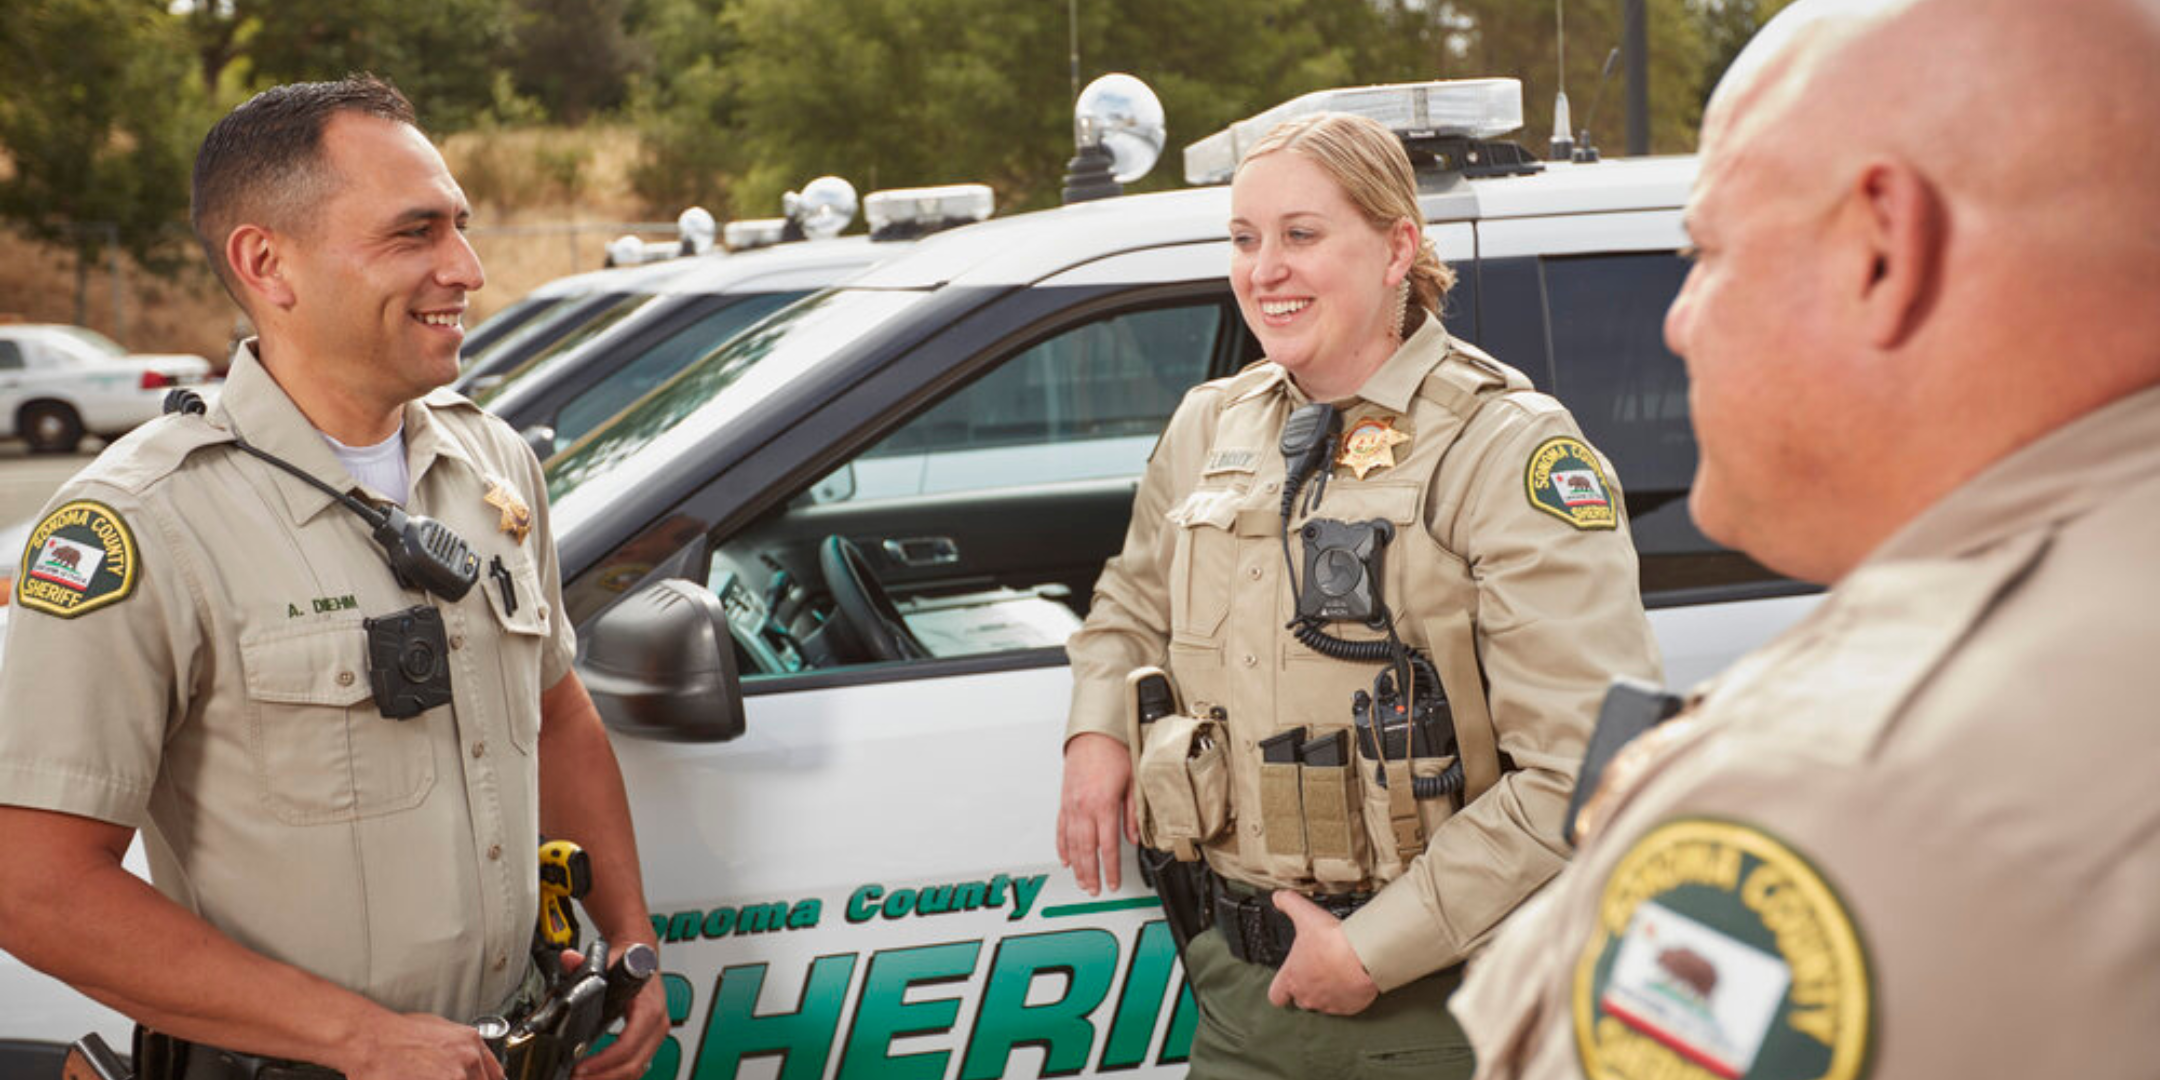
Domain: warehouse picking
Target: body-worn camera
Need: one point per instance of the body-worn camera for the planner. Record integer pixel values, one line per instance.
(1342, 570)
(408, 661)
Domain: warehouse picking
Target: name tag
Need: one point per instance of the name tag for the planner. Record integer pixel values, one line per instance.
(1231, 461)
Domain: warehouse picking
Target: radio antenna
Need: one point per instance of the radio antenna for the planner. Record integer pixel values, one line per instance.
(1563, 145)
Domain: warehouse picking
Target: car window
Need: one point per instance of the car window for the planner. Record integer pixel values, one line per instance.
(1085, 404)
(718, 388)
(532, 329)
(636, 375)
(986, 518)
(506, 320)
(92, 342)
(10, 356)
(1629, 393)
(593, 326)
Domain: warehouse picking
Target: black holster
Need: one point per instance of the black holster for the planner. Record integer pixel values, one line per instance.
(1254, 929)
(1183, 888)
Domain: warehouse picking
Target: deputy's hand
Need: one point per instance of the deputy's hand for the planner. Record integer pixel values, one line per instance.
(1098, 794)
(420, 1046)
(645, 1024)
(1322, 973)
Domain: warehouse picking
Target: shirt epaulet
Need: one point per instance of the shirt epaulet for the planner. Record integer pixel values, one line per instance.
(153, 451)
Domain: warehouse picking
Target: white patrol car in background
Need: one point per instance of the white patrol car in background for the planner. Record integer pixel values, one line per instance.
(59, 383)
(822, 578)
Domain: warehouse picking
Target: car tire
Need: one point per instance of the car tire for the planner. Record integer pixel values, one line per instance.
(50, 427)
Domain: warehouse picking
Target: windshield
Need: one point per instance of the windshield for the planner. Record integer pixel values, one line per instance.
(541, 322)
(594, 325)
(502, 322)
(719, 387)
(635, 375)
(94, 341)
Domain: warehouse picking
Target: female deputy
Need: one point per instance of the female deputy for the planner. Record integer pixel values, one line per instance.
(1458, 531)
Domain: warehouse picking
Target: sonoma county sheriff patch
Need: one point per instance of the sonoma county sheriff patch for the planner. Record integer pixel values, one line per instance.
(1719, 952)
(1565, 480)
(80, 558)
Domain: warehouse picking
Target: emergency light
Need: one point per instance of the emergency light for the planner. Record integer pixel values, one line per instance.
(1460, 108)
(904, 213)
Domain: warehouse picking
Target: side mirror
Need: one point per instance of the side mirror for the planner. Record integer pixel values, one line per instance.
(542, 440)
(661, 665)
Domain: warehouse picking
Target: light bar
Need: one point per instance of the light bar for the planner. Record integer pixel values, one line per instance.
(1466, 108)
(753, 233)
(916, 211)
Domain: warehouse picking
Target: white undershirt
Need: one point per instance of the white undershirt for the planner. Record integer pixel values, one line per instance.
(381, 467)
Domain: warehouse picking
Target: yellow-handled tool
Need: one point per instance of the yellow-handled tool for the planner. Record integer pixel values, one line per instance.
(565, 875)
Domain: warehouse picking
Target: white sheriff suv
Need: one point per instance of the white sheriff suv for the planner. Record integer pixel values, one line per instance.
(822, 578)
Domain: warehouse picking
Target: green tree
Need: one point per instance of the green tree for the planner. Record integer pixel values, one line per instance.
(683, 104)
(99, 121)
(442, 54)
(1475, 38)
(901, 92)
(575, 56)
(1727, 26)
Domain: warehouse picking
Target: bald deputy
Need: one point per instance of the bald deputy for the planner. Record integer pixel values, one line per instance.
(343, 841)
(1919, 834)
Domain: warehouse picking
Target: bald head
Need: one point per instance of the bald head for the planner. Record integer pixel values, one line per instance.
(1943, 234)
(2007, 102)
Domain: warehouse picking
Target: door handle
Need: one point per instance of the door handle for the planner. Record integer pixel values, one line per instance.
(920, 551)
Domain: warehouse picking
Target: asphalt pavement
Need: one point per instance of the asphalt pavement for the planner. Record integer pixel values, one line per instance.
(27, 479)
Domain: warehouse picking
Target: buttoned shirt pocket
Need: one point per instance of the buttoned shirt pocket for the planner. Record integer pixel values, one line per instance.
(1204, 564)
(322, 751)
(526, 622)
(1396, 503)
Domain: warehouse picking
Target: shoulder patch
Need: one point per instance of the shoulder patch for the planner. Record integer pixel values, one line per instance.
(1565, 480)
(1720, 952)
(81, 557)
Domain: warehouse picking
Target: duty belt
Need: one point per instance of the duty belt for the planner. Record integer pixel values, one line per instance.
(1256, 932)
(161, 1057)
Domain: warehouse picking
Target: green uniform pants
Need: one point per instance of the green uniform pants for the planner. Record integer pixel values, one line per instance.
(1408, 1032)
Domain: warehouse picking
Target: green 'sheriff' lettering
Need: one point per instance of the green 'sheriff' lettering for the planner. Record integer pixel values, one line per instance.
(897, 1001)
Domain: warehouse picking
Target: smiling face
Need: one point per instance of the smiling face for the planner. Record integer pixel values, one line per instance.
(379, 276)
(1316, 281)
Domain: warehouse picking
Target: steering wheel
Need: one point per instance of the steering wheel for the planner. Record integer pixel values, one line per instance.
(862, 604)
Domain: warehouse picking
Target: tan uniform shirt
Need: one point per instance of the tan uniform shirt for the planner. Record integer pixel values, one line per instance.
(211, 688)
(1488, 566)
(1919, 833)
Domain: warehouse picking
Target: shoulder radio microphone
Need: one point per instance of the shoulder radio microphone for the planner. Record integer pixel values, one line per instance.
(424, 553)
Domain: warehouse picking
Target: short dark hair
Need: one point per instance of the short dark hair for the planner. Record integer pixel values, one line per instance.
(263, 161)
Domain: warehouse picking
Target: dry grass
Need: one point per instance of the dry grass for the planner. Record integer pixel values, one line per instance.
(187, 313)
(533, 177)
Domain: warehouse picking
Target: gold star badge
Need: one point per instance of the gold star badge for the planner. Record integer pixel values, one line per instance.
(1370, 444)
(516, 517)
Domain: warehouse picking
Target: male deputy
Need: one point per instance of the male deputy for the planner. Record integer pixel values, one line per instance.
(188, 657)
(1919, 835)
